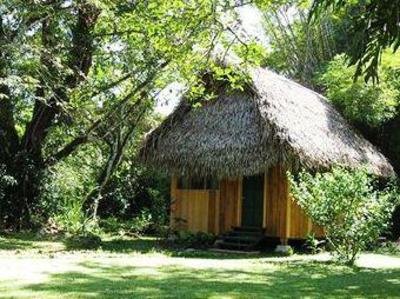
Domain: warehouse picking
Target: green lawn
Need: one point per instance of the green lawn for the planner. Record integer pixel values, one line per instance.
(130, 268)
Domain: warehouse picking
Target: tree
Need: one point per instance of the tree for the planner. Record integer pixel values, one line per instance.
(301, 49)
(362, 102)
(346, 205)
(374, 26)
(72, 72)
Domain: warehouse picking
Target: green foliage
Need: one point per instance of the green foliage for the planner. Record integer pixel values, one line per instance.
(313, 245)
(298, 49)
(64, 190)
(79, 72)
(83, 241)
(186, 239)
(390, 248)
(134, 189)
(368, 103)
(374, 27)
(133, 227)
(66, 185)
(346, 205)
(5, 181)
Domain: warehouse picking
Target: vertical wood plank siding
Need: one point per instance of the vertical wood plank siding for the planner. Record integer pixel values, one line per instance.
(229, 206)
(217, 211)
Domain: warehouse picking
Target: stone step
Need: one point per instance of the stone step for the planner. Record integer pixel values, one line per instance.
(241, 238)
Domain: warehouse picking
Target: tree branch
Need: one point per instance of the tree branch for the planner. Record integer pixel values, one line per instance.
(80, 60)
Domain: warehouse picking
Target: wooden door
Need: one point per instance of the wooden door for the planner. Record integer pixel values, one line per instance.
(252, 201)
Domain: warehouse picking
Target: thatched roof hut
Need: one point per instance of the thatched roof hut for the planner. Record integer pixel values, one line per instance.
(274, 120)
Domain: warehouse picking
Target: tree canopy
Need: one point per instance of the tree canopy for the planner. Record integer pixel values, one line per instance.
(80, 71)
(374, 26)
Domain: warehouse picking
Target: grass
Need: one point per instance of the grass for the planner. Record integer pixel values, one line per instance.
(31, 267)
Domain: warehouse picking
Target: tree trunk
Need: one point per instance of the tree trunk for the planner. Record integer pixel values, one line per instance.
(21, 197)
(22, 157)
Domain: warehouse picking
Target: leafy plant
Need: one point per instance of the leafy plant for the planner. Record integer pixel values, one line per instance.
(363, 102)
(5, 180)
(83, 241)
(135, 226)
(346, 205)
(313, 245)
(392, 248)
(367, 21)
(186, 239)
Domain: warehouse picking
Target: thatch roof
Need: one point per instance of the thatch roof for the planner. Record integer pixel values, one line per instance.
(275, 120)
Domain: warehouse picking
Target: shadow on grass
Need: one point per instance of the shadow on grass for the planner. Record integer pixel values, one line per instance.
(137, 245)
(21, 241)
(29, 241)
(290, 280)
(146, 245)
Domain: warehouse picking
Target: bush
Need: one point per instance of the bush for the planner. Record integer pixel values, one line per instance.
(368, 103)
(186, 239)
(135, 226)
(134, 189)
(313, 245)
(392, 248)
(345, 204)
(5, 180)
(84, 241)
(64, 190)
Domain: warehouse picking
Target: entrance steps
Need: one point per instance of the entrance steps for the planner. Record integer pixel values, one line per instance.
(241, 238)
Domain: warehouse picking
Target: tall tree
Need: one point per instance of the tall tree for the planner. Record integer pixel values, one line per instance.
(374, 26)
(73, 71)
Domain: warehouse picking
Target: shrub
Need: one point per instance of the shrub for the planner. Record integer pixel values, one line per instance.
(5, 180)
(84, 241)
(186, 239)
(73, 220)
(135, 226)
(346, 205)
(368, 103)
(392, 248)
(313, 245)
(133, 189)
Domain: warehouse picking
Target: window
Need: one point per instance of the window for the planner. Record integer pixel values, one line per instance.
(198, 183)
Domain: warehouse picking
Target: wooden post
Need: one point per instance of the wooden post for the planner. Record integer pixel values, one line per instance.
(286, 205)
(264, 225)
(173, 206)
(240, 197)
(212, 202)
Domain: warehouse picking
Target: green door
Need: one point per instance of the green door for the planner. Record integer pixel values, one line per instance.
(252, 203)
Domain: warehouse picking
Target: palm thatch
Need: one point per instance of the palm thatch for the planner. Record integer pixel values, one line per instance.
(242, 133)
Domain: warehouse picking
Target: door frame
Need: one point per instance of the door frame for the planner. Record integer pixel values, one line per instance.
(262, 202)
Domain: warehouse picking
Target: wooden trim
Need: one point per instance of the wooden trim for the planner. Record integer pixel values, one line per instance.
(211, 211)
(309, 225)
(217, 216)
(265, 198)
(288, 204)
(173, 205)
(221, 212)
(240, 201)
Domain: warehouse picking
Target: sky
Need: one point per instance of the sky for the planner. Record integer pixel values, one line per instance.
(251, 24)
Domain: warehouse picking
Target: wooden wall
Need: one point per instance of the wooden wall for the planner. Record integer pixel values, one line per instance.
(275, 202)
(283, 216)
(217, 211)
(194, 210)
(230, 204)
